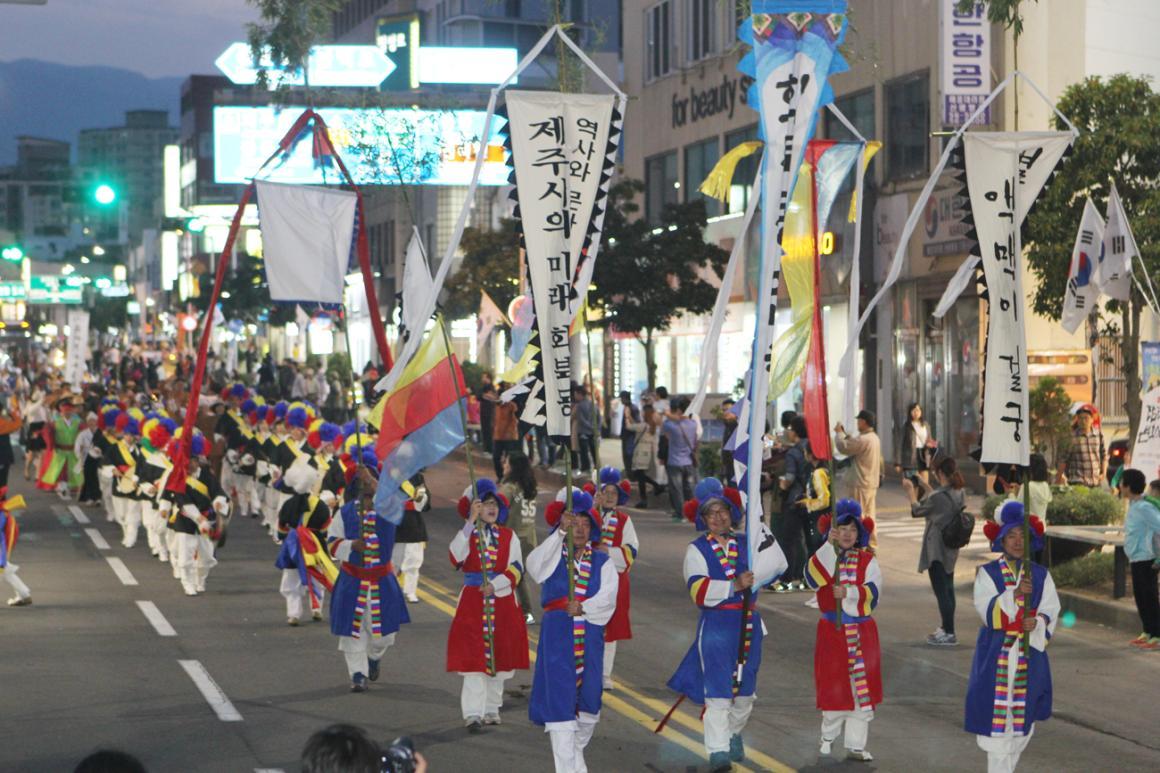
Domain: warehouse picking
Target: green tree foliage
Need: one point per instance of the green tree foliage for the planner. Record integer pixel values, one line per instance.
(1050, 419)
(1002, 12)
(1118, 119)
(648, 274)
(289, 28)
(491, 264)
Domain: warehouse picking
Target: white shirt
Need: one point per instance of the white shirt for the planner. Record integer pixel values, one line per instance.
(542, 562)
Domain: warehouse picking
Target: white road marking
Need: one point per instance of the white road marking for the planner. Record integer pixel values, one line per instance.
(210, 691)
(79, 514)
(269, 770)
(154, 616)
(97, 538)
(123, 574)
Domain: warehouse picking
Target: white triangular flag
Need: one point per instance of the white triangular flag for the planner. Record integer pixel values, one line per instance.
(1119, 250)
(1082, 293)
(488, 317)
(417, 289)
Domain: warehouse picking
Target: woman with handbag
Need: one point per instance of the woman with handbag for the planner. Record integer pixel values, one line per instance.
(646, 467)
(939, 507)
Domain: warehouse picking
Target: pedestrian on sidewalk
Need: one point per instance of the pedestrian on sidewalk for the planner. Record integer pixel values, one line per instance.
(1087, 459)
(681, 463)
(847, 656)
(519, 486)
(1009, 691)
(939, 507)
(866, 451)
(1141, 528)
(918, 446)
(629, 415)
(488, 639)
(505, 436)
(646, 467)
(586, 429)
(791, 524)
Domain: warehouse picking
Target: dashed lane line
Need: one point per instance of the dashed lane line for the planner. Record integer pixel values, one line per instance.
(79, 515)
(98, 539)
(209, 689)
(154, 616)
(123, 574)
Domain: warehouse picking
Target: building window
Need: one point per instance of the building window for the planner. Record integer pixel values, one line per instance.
(660, 185)
(658, 40)
(700, 158)
(859, 110)
(742, 186)
(907, 126)
(702, 27)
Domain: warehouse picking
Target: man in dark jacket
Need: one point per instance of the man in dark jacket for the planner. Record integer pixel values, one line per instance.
(791, 522)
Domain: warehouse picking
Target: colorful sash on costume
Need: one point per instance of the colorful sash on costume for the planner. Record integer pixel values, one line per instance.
(368, 589)
(489, 557)
(727, 557)
(608, 530)
(848, 573)
(583, 571)
(1014, 699)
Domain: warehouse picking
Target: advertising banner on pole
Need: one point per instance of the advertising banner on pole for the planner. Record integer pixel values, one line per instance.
(964, 63)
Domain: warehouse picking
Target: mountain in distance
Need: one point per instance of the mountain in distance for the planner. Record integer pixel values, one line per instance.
(42, 99)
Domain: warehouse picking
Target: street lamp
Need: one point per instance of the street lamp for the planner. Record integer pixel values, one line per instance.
(13, 253)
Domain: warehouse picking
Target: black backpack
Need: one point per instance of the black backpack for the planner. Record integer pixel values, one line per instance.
(957, 531)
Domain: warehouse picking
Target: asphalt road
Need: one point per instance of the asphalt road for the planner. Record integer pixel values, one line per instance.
(112, 654)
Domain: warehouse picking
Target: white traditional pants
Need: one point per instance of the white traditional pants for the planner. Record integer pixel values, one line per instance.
(408, 556)
(194, 560)
(297, 594)
(609, 659)
(244, 490)
(171, 545)
(105, 481)
(154, 529)
(17, 585)
(271, 500)
(857, 727)
(1003, 750)
(366, 647)
(482, 695)
(271, 520)
(725, 718)
(569, 740)
(129, 516)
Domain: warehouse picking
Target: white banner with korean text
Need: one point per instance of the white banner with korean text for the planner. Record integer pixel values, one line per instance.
(1005, 173)
(1146, 449)
(560, 146)
(964, 62)
(78, 347)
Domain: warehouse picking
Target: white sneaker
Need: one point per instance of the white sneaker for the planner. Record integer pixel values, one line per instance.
(859, 755)
(413, 598)
(825, 747)
(491, 719)
(609, 684)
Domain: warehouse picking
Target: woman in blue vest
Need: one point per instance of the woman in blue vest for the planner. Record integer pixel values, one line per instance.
(1008, 692)
(568, 684)
(720, 669)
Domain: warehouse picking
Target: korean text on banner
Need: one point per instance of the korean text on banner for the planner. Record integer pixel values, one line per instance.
(795, 50)
(306, 237)
(1005, 173)
(964, 62)
(78, 346)
(559, 148)
(1146, 450)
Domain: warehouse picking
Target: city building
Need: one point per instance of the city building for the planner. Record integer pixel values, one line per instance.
(129, 160)
(38, 209)
(680, 65)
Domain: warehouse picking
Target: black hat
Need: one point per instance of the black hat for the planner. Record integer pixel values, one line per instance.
(868, 417)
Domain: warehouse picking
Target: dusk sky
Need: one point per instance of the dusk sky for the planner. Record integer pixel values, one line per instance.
(153, 37)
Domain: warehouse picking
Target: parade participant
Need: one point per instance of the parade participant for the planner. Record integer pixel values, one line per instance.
(847, 657)
(124, 455)
(196, 516)
(59, 470)
(153, 470)
(292, 448)
(89, 457)
(105, 440)
(411, 538)
(618, 539)
(35, 417)
(488, 640)
(578, 601)
(326, 440)
(228, 430)
(720, 669)
(1010, 685)
(9, 532)
(272, 450)
(249, 488)
(304, 510)
(367, 606)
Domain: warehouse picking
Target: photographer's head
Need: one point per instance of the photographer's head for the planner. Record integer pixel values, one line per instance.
(341, 749)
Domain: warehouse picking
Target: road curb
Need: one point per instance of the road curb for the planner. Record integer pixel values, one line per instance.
(1109, 613)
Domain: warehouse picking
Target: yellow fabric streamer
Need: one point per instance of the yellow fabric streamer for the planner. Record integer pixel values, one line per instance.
(521, 369)
(720, 180)
(13, 503)
(872, 147)
(797, 271)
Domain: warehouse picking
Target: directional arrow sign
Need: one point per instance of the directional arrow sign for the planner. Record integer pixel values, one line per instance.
(337, 66)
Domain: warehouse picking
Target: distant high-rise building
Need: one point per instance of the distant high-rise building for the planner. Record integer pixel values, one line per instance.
(129, 159)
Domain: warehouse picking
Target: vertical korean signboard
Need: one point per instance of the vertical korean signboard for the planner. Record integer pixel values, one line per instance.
(965, 62)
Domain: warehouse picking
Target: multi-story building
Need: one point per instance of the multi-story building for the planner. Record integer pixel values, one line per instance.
(129, 159)
(680, 65)
(38, 208)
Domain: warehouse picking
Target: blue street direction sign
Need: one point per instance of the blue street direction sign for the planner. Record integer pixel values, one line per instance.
(332, 66)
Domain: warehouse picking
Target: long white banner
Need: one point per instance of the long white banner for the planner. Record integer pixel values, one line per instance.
(78, 346)
(560, 147)
(1005, 173)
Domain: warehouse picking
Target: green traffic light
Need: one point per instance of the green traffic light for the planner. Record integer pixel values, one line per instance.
(13, 253)
(104, 195)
